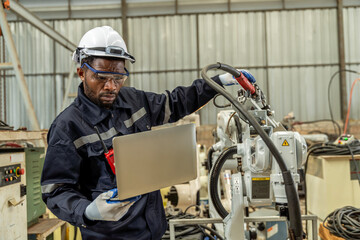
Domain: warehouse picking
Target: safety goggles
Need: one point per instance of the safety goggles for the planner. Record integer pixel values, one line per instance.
(104, 76)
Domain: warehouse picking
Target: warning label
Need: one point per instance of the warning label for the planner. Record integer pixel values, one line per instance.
(285, 143)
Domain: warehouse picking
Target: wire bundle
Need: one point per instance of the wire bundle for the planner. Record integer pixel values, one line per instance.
(185, 231)
(344, 222)
(333, 149)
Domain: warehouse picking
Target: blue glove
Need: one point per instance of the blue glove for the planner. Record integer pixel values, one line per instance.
(106, 207)
(227, 79)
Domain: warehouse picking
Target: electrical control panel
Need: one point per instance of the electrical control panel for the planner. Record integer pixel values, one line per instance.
(10, 174)
(13, 216)
(344, 139)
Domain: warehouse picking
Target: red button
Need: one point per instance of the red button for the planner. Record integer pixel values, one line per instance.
(20, 171)
(6, 179)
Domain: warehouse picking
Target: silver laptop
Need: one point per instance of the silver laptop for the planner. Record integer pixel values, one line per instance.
(149, 161)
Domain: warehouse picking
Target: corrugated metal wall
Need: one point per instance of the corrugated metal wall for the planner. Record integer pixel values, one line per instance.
(291, 53)
(295, 39)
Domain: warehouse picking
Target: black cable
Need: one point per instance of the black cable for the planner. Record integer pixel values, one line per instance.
(209, 158)
(334, 149)
(189, 230)
(214, 178)
(205, 234)
(213, 232)
(330, 82)
(220, 106)
(344, 222)
(193, 205)
(295, 228)
(239, 128)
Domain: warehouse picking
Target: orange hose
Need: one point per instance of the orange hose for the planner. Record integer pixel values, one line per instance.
(349, 105)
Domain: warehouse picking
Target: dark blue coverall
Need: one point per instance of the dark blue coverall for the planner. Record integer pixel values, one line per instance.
(75, 170)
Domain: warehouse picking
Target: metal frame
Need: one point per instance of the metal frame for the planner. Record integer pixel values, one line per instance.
(15, 64)
(176, 6)
(22, 12)
(341, 49)
(28, 16)
(174, 222)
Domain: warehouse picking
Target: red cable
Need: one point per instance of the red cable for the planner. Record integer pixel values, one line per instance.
(349, 105)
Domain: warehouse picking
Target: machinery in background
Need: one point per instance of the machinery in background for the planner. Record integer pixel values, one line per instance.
(262, 157)
(13, 203)
(34, 158)
(195, 192)
(332, 182)
(261, 182)
(185, 195)
(20, 191)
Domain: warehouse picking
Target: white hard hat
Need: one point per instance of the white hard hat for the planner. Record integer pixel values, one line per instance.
(102, 42)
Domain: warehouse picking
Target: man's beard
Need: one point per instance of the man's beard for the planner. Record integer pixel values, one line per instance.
(92, 96)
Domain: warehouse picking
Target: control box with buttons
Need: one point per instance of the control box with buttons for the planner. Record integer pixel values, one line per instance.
(10, 174)
(344, 139)
(13, 213)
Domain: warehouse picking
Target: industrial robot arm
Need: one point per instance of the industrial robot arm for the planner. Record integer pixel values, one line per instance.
(259, 170)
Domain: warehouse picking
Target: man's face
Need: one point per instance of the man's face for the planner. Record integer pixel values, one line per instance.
(101, 93)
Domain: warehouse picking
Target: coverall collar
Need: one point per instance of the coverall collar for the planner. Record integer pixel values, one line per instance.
(92, 113)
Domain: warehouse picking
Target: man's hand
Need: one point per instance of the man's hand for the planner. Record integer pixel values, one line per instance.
(107, 208)
(227, 79)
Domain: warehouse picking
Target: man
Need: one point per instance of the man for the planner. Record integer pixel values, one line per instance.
(77, 181)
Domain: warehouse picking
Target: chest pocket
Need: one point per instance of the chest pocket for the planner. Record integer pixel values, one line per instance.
(94, 149)
(142, 125)
(138, 122)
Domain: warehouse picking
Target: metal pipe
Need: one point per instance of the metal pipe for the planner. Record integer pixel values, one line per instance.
(4, 77)
(199, 69)
(176, 7)
(268, 94)
(18, 70)
(21, 11)
(191, 13)
(69, 9)
(6, 66)
(54, 71)
(197, 45)
(68, 85)
(341, 48)
(125, 31)
(2, 81)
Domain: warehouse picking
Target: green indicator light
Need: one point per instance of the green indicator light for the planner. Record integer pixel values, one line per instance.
(346, 139)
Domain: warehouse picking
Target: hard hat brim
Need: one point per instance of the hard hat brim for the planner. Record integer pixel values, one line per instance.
(80, 54)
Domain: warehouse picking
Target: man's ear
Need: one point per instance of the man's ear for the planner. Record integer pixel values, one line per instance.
(81, 74)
